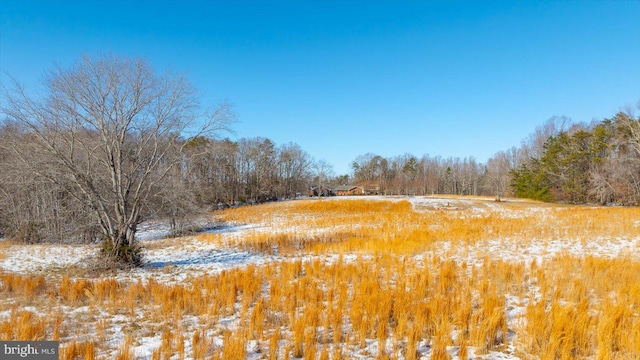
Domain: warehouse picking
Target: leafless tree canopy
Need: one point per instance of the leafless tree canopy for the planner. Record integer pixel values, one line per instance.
(104, 137)
(111, 144)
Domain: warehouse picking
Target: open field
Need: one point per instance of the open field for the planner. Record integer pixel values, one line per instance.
(374, 277)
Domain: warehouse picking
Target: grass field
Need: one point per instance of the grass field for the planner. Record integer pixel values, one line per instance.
(374, 277)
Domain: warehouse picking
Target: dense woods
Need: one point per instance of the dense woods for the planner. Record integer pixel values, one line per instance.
(225, 172)
(560, 161)
(112, 144)
(599, 163)
(211, 173)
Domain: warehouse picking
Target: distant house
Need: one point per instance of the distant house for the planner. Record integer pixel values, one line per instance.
(348, 190)
(370, 187)
(320, 191)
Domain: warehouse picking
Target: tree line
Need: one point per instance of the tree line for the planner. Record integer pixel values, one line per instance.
(595, 163)
(560, 161)
(248, 171)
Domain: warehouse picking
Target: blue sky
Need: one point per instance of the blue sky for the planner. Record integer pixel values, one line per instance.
(343, 78)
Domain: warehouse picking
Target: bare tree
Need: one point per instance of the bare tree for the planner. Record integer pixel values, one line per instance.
(258, 158)
(107, 131)
(323, 170)
(625, 165)
(533, 145)
(630, 127)
(294, 169)
(498, 172)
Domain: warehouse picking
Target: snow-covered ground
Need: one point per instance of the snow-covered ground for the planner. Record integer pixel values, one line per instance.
(187, 254)
(173, 260)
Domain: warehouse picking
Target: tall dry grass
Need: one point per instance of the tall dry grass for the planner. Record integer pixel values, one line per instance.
(380, 227)
(387, 288)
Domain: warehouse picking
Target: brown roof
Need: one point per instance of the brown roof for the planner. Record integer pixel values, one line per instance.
(345, 188)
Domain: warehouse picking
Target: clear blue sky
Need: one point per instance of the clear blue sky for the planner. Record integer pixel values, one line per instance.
(343, 78)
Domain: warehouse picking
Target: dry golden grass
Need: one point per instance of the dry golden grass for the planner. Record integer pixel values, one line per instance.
(78, 350)
(23, 325)
(330, 226)
(397, 289)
